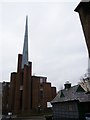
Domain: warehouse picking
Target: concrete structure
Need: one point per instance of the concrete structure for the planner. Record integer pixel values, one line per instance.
(71, 103)
(28, 93)
(84, 13)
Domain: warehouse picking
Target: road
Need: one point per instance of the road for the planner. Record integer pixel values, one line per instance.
(32, 118)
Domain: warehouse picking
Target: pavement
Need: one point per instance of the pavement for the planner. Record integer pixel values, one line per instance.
(32, 118)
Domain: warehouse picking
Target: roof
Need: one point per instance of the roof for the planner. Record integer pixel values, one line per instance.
(39, 76)
(72, 94)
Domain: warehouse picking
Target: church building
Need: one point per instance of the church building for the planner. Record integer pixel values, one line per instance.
(28, 92)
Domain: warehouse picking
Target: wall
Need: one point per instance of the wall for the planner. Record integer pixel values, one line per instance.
(65, 110)
(42, 92)
(5, 97)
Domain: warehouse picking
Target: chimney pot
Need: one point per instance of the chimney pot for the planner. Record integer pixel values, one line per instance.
(67, 85)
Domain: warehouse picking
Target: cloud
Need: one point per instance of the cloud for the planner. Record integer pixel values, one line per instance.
(56, 42)
(41, 1)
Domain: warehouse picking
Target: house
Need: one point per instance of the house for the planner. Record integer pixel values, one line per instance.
(71, 103)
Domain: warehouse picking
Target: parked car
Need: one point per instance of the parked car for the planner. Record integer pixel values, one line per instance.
(87, 116)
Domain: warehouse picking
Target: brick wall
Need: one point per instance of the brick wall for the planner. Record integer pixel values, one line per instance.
(42, 92)
(28, 92)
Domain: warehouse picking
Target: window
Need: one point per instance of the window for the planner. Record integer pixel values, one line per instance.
(41, 93)
(62, 95)
(21, 87)
(70, 108)
(80, 89)
(42, 80)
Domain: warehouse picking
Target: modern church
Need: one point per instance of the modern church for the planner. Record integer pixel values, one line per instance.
(28, 92)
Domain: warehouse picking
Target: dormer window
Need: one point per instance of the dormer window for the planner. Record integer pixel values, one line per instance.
(80, 89)
(62, 95)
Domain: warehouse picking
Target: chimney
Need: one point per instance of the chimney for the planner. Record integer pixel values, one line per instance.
(67, 85)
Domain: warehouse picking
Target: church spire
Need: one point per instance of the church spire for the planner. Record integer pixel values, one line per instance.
(25, 46)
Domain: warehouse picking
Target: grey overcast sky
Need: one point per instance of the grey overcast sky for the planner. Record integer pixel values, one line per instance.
(57, 45)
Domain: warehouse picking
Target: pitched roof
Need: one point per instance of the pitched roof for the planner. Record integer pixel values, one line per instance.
(71, 94)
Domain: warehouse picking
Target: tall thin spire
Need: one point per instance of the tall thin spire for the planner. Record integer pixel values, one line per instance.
(25, 46)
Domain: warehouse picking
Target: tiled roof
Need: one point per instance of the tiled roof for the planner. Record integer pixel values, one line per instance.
(72, 94)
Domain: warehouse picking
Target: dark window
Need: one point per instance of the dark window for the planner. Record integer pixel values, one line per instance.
(42, 80)
(41, 93)
(21, 93)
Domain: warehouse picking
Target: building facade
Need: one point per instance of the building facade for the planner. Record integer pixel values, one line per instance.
(28, 93)
(71, 103)
(5, 96)
(42, 92)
